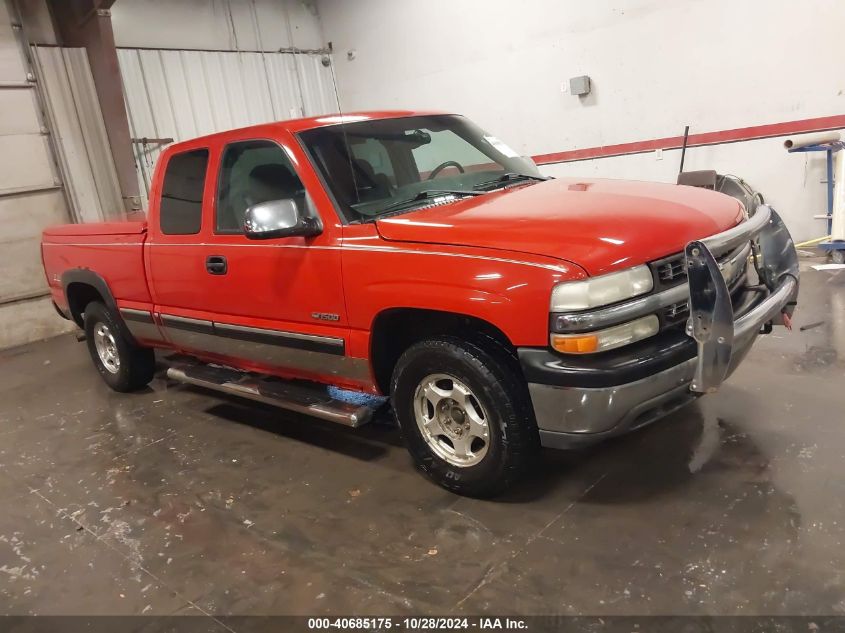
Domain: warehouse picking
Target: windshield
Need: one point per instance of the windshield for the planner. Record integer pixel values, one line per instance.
(394, 165)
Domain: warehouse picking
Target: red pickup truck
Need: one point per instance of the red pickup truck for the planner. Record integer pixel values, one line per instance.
(325, 264)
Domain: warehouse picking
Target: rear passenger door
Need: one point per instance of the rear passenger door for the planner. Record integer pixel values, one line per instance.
(175, 232)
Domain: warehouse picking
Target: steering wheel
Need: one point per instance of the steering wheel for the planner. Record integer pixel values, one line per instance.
(442, 166)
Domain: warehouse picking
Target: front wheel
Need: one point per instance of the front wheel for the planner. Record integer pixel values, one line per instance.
(122, 364)
(465, 414)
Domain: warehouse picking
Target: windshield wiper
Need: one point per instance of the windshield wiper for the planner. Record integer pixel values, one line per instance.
(508, 177)
(429, 193)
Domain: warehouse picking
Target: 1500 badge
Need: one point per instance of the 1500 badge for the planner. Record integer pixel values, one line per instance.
(325, 316)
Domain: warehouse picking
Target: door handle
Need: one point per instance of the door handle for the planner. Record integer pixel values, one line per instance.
(216, 265)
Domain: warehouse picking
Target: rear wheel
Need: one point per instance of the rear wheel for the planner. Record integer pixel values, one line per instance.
(123, 365)
(465, 414)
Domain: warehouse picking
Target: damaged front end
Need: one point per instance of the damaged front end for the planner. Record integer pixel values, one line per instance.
(712, 301)
(722, 332)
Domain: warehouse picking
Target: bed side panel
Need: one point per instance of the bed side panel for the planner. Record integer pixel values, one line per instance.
(117, 258)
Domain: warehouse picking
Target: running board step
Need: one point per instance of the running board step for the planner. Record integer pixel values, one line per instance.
(350, 408)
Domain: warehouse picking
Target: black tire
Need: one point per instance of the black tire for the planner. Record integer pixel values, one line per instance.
(493, 377)
(136, 364)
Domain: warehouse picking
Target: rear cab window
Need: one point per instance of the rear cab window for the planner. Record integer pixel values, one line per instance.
(180, 209)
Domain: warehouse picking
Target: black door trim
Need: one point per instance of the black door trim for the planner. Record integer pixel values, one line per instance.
(307, 342)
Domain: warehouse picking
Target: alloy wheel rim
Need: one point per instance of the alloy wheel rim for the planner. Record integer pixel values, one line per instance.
(451, 420)
(106, 348)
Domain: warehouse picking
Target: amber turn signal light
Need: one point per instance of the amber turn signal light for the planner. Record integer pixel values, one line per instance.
(576, 344)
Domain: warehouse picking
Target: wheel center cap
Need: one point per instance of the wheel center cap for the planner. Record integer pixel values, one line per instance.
(452, 417)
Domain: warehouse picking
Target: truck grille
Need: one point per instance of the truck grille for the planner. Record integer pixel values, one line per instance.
(671, 269)
(676, 312)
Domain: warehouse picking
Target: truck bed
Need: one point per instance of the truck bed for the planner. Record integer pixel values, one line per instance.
(95, 228)
(111, 250)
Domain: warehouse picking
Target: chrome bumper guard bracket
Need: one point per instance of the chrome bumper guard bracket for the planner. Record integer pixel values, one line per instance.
(711, 321)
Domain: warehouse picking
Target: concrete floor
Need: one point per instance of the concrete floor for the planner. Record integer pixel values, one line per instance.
(177, 500)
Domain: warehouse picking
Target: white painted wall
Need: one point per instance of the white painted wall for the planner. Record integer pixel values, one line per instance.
(656, 66)
(789, 182)
(216, 24)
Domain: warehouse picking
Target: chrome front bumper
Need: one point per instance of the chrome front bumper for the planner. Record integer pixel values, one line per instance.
(722, 332)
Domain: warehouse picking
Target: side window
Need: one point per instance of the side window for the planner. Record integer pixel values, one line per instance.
(180, 212)
(252, 172)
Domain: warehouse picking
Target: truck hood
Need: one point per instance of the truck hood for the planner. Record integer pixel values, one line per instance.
(600, 225)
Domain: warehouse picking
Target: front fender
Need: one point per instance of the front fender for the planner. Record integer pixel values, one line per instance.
(509, 293)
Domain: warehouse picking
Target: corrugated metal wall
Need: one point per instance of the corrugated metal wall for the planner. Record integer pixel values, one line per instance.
(80, 135)
(184, 94)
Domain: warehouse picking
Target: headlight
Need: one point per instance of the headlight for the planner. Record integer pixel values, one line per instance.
(609, 338)
(599, 291)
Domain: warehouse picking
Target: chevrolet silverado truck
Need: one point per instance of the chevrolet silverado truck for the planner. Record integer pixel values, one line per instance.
(327, 264)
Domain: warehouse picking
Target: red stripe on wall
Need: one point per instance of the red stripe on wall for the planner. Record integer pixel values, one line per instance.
(804, 126)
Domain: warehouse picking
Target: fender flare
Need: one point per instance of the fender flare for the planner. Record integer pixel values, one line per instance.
(89, 278)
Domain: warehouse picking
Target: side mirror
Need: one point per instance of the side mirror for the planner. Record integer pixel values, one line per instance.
(278, 218)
